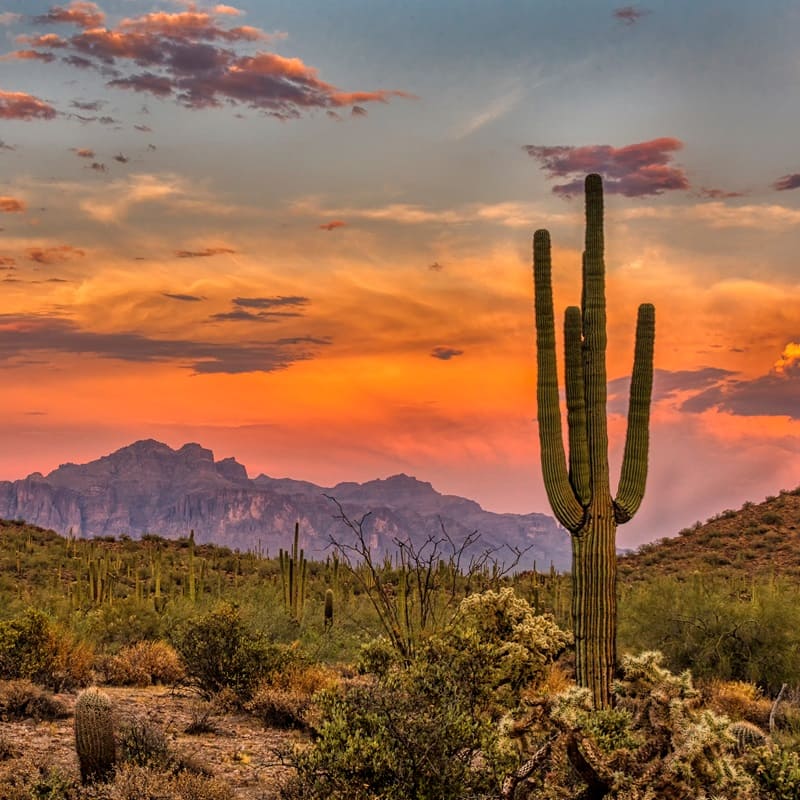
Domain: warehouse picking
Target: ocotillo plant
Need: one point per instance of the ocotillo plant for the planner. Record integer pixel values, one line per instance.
(579, 491)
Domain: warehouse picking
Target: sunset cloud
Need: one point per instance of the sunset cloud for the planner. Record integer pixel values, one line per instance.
(774, 394)
(191, 57)
(11, 205)
(8, 262)
(446, 353)
(718, 194)
(30, 55)
(636, 170)
(82, 14)
(330, 226)
(186, 298)
(54, 255)
(83, 152)
(19, 105)
(279, 301)
(29, 333)
(205, 253)
(787, 182)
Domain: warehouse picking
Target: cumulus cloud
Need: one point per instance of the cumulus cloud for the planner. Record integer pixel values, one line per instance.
(775, 394)
(446, 353)
(11, 205)
(195, 59)
(204, 253)
(19, 105)
(54, 255)
(330, 226)
(629, 15)
(635, 170)
(36, 334)
(82, 14)
(787, 182)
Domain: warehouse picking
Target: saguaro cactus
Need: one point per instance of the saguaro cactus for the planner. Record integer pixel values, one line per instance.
(579, 490)
(94, 735)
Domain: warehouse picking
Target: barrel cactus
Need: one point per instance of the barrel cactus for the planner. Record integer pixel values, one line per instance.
(94, 735)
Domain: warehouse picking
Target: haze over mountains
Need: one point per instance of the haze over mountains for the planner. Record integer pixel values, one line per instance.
(147, 487)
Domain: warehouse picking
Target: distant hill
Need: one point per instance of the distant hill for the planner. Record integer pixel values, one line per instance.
(147, 487)
(758, 539)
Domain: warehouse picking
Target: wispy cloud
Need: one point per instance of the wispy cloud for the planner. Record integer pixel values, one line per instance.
(186, 298)
(333, 225)
(787, 182)
(204, 253)
(56, 254)
(497, 108)
(635, 170)
(36, 334)
(630, 15)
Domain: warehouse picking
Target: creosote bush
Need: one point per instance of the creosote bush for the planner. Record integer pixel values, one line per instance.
(220, 653)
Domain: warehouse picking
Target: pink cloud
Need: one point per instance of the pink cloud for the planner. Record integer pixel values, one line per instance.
(83, 152)
(330, 226)
(634, 170)
(189, 56)
(718, 194)
(11, 205)
(85, 15)
(18, 105)
(30, 55)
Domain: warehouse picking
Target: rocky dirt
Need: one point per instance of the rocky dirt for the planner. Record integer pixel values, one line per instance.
(240, 751)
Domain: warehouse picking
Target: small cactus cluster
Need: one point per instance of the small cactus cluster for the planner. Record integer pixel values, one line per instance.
(94, 735)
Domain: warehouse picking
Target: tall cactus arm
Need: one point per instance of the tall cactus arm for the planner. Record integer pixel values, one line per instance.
(594, 336)
(566, 507)
(576, 406)
(634, 461)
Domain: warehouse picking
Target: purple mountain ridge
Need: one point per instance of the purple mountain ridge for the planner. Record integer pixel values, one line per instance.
(147, 487)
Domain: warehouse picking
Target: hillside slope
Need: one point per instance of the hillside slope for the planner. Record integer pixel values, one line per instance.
(757, 539)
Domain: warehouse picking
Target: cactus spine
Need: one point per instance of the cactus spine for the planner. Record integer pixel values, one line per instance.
(94, 735)
(579, 490)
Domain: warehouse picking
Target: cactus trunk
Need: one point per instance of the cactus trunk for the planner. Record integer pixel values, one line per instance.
(578, 487)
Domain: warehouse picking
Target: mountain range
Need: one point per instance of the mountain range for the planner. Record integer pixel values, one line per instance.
(147, 487)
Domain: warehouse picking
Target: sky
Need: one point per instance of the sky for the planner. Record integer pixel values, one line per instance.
(299, 233)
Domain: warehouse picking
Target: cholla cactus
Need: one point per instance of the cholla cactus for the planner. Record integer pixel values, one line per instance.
(94, 735)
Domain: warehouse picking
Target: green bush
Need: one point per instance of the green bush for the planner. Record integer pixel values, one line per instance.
(430, 730)
(719, 630)
(35, 648)
(220, 653)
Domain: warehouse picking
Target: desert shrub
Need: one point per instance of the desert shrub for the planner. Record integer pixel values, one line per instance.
(219, 652)
(32, 646)
(430, 730)
(22, 699)
(22, 779)
(777, 773)
(738, 700)
(144, 663)
(124, 623)
(144, 744)
(705, 625)
(286, 698)
(134, 782)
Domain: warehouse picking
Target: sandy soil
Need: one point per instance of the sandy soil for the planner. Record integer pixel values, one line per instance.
(240, 752)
